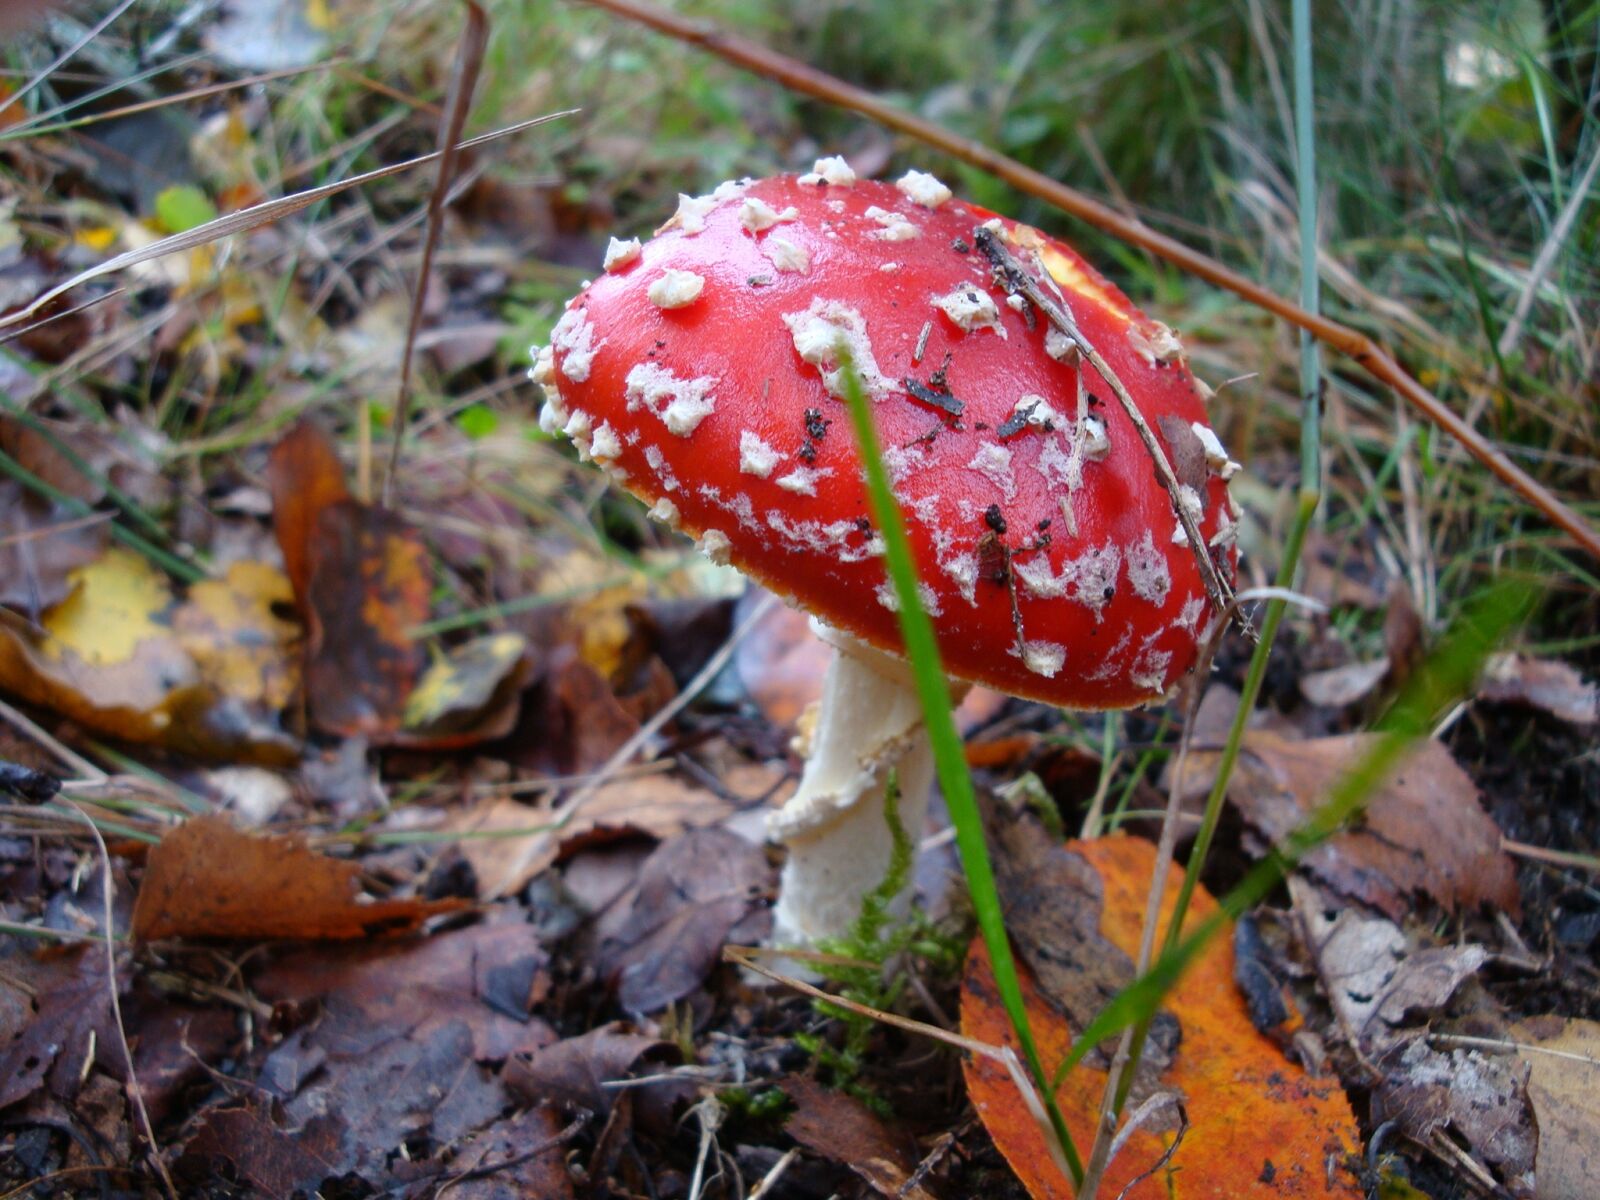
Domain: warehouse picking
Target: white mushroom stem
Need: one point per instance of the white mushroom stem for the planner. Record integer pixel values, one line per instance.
(868, 724)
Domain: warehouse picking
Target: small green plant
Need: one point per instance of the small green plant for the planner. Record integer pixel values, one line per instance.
(872, 962)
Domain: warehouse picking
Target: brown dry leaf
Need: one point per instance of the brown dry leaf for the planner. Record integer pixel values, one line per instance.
(1372, 973)
(305, 477)
(1424, 829)
(658, 806)
(370, 586)
(1259, 1126)
(661, 939)
(401, 1051)
(207, 879)
(1563, 1057)
(1338, 687)
(574, 1072)
(844, 1130)
(1550, 686)
(121, 657)
(1465, 1096)
(363, 581)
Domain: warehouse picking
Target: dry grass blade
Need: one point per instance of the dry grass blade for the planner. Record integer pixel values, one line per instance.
(458, 100)
(253, 217)
(1366, 353)
(66, 55)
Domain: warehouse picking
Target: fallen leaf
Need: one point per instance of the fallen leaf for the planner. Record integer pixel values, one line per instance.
(1423, 830)
(1259, 1126)
(658, 942)
(1552, 687)
(1373, 975)
(574, 1072)
(1465, 1095)
(657, 806)
(232, 630)
(841, 1128)
(499, 1163)
(54, 1011)
(207, 879)
(393, 1045)
(122, 657)
(1338, 687)
(363, 581)
(471, 691)
(370, 586)
(40, 546)
(305, 478)
(1563, 1059)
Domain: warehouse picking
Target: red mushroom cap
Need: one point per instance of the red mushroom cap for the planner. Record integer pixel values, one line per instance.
(699, 369)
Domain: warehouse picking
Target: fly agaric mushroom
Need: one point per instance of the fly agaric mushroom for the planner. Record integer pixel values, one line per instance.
(702, 371)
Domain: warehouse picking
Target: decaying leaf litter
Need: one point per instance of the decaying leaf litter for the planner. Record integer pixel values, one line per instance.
(318, 727)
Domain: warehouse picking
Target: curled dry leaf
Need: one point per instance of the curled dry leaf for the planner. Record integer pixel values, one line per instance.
(1374, 975)
(121, 656)
(207, 879)
(1552, 687)
(1259, 1126)
(1466, 1096)
(1424, 829)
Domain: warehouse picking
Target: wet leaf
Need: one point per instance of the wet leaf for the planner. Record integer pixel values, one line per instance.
(231, 628)
(658, 943)
(1259, 1126)
(207, 879)
(1563, 1058)
(841, 1128)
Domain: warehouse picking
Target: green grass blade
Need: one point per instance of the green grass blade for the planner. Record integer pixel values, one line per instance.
(1449, 673)
(922, 650)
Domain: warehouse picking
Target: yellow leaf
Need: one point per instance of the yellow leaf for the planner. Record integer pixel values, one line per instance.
(240, 644)
(115, 604)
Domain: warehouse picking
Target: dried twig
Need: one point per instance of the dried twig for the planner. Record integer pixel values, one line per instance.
(1019, 280)
(458, 101)
(1366, 353)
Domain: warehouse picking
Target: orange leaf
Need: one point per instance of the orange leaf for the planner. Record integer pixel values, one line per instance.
(1259, 1125)
(305, 477)
(209, 880)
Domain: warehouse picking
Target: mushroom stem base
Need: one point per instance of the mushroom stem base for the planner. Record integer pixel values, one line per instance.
(869, 723)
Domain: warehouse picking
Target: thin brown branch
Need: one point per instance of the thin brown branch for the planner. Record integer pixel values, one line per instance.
(458, 101)
(802, 77)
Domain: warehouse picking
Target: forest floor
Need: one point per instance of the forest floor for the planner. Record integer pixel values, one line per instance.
(383, 831)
